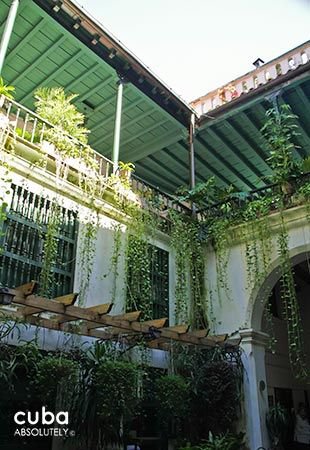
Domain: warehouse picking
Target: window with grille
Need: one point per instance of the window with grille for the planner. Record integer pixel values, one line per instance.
(148, 282)
(23, 237)
(160, 282)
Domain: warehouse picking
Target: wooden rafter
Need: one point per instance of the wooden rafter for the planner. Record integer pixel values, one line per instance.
(60, 314)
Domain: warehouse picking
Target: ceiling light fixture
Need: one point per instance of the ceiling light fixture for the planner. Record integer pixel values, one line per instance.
(95, 39)
(112, 53)
(77, 23)
(57, 5)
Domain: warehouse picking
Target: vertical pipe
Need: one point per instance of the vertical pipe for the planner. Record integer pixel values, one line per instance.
(8, 31)
(117, 127)
(192, 181)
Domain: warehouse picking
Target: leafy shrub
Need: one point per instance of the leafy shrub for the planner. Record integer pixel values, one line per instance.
(172, 393)
(116, 384)
(56, 379)
(220, 442)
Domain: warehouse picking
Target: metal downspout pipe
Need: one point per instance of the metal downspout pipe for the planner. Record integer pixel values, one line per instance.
(117, 127)
(192, 181)
(8, 31)
(192, 177)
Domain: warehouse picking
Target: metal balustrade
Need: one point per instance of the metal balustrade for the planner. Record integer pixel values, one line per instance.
(153, 198)
(253, 80)
(28, 127)
(23, 234)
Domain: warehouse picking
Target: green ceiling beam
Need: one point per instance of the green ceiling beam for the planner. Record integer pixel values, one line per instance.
(21, 44)
(97, 88)
(8, 30)
(125, 124)
(176, 159)
(162, 111)
(305, 104)
(103, 122)
(247, 143)
(170, 172)
(183, 162)
(145, 131)
(39, 60)
(55, 74)
(212, 170)
(153, 175)
(21, 7)
(102, 105)
(82, 77)
(230, 148)
(254, 130)
(302, 97)
(226, 164)
(154, 145)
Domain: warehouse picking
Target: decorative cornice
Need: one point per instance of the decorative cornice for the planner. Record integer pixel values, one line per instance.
(251, 336)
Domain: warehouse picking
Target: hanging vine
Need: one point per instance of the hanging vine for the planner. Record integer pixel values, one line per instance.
(190, 292)
(50, 248)
(87, 254)
(220, 238)
(139, 255)
(114, 262)
(291, 308)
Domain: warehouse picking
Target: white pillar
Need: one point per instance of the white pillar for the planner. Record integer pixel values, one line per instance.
(8, 31)
(117, 127)
(253, 345)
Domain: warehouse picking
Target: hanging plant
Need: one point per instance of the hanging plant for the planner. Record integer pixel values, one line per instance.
(50, 249)
(139, 259)
(6, 90)
(279, 130)
(190, 294)
(114, 262)
(68, 135)
(87, 255)
(218, 233)
(116, 384)
(173, 399)
(292, 316)
(55, 381)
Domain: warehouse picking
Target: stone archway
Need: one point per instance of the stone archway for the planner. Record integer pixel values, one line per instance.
(271, 378)
(259, 295)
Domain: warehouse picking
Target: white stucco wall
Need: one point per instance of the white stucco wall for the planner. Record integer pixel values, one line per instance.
(242, 305)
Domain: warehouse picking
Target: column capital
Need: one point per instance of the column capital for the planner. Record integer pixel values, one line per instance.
(121, 81)
(251, 336)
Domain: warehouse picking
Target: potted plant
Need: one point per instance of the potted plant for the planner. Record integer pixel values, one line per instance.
(277, 422)
(125, 170)
(5, 91)
(226, 441)
(279, 130)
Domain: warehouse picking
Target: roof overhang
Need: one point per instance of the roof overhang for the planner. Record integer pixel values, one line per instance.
(47, 49)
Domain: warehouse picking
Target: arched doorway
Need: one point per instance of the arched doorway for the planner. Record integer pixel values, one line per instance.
(268, 377)
(282, 384)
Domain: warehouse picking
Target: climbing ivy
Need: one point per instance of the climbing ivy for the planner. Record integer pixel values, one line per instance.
(114, 262)
(139, 256)
(291, 308)
(186, 240)
(50, 248)
(87, 254)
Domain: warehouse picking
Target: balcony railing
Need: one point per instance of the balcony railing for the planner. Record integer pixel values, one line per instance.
(26, 126)
(29, 128)
(253, 80)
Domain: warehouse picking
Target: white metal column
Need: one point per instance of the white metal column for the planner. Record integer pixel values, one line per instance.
(117, 127)
(253, 344)
(8, 31)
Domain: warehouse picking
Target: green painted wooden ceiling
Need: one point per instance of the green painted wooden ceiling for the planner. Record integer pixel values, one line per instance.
(44, 51)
